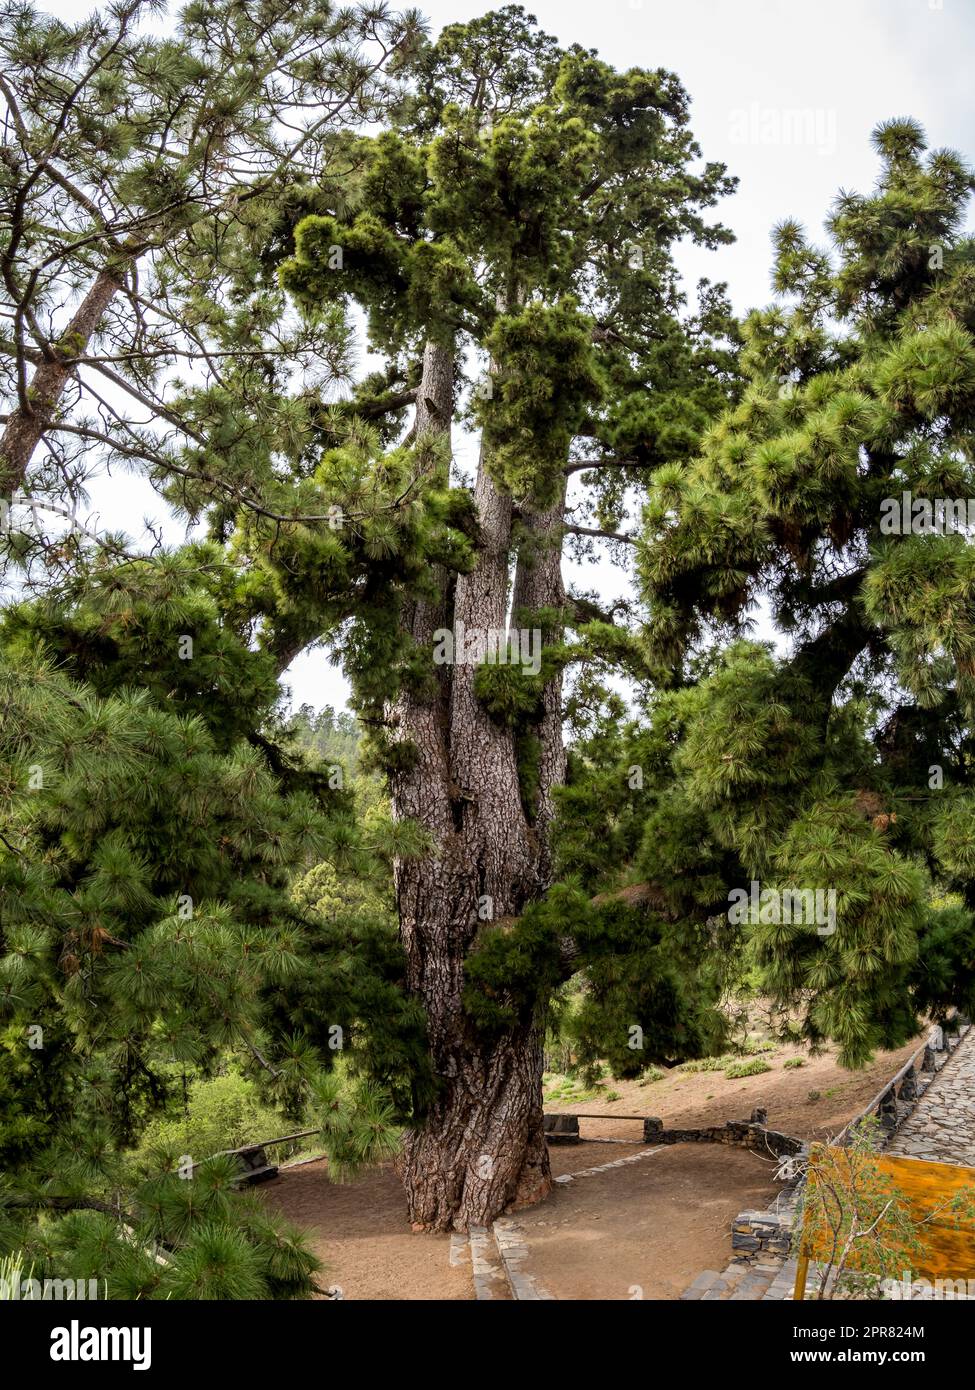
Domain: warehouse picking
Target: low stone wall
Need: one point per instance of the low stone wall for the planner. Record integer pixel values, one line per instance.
(898, 1099)
(759, 1233)
(746, 1134)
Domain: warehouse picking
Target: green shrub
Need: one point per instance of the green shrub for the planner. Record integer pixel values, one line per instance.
(753, 1068)
(650, 1075)
(565, 1090)
(224, 1112)
(794, 1062)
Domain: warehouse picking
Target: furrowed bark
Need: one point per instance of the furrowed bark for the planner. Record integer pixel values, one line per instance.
(480, 1148)
(539, 585)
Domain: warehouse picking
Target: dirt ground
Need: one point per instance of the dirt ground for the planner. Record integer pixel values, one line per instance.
(692, 1099)
(361, 1232)
(645, 1230)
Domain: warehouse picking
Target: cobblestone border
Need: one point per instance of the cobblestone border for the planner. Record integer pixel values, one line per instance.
(605, 1167)
(513, 1250)
(941, 1127)
(490, 1275)
(898, 1100)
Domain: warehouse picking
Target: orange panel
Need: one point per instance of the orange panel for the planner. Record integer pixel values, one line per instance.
(948, 1243)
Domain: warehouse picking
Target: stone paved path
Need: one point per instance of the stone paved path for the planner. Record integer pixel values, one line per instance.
(942, 1127)
(743, 1283)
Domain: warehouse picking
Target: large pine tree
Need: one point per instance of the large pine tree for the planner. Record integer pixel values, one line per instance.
(509, 238)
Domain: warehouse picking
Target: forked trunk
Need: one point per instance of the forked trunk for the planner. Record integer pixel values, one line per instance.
(480, 1147)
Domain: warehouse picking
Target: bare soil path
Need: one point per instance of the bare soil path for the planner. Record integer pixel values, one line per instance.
(643, 1229)
(361, 1232)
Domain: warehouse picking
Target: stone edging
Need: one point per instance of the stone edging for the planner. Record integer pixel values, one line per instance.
(605, 1167)
(899, 1098)
(489, 1272)
(524, 1287)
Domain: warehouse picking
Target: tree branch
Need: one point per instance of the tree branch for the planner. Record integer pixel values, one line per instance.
(580, 465)
(602, 535)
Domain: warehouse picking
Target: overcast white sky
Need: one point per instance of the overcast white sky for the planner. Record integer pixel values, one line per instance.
(746, 64)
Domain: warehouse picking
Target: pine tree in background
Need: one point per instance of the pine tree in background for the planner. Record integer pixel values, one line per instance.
(846, 764)
(128, 157)
(151, 835)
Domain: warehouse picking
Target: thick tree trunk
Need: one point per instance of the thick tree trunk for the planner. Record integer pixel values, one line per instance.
(539, 585)
(481, 1150)
(25, 427)
(480, 1147)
